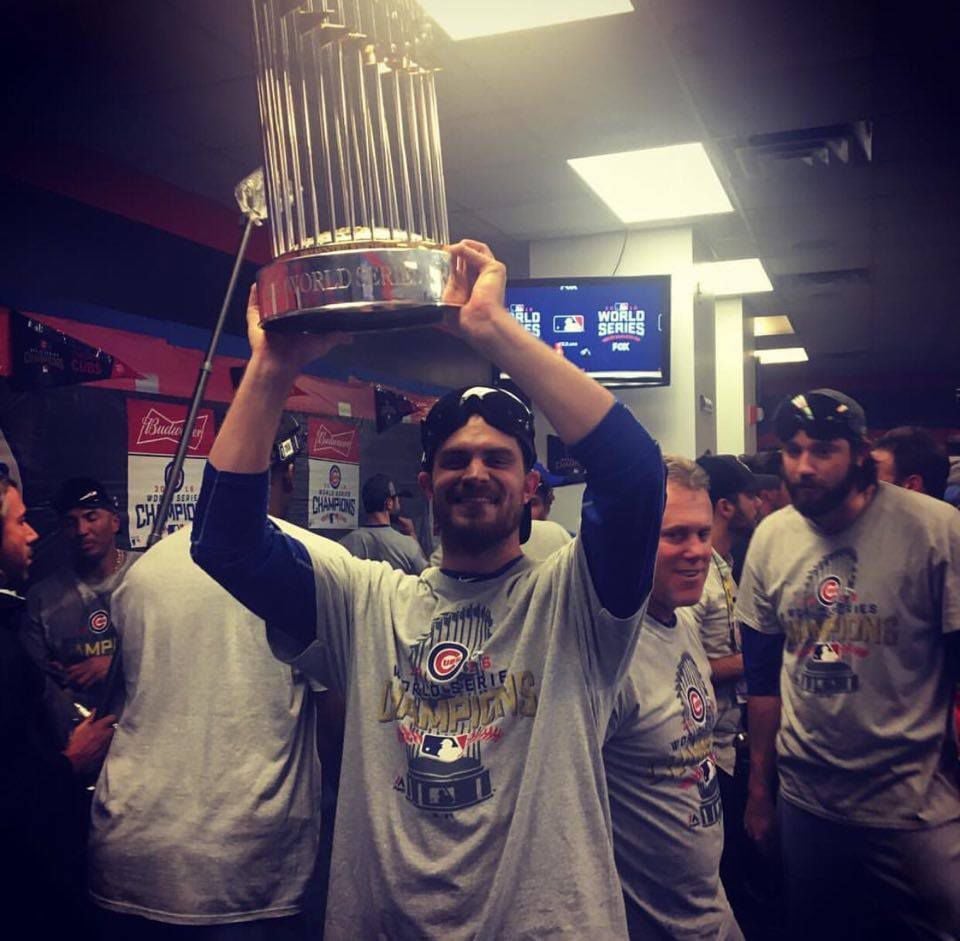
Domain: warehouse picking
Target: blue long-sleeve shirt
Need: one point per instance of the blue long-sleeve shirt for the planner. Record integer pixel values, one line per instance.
(272, 574)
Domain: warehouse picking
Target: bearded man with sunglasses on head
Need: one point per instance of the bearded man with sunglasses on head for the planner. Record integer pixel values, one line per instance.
(850, 606)
(473, 801)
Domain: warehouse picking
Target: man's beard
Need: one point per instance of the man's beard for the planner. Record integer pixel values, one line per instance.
(475, 536)
(826, 499)
(741, 524)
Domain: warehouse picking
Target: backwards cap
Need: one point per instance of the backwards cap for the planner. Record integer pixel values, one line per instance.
(497, 407)
(288, 441)
(823, 414)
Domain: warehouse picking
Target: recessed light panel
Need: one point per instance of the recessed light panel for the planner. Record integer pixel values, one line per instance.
(467, 19)
(654, 185)
(772, 326)
(789, 354)
(729, 278)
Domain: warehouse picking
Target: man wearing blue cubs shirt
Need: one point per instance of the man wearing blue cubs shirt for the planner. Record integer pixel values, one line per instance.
(850, 603)
(473, 801)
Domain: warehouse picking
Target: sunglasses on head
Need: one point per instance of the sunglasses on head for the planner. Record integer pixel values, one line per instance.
(820, 416)
(499, 408)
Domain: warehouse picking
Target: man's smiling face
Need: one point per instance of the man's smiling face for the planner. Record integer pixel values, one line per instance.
(479, 486)
(683, 554)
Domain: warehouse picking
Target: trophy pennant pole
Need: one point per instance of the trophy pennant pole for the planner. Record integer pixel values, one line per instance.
(249, 194)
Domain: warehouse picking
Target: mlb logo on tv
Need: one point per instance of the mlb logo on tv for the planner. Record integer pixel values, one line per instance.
(568, 323)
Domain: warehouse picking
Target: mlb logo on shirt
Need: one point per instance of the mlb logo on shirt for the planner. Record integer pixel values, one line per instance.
(442, 747)
(568, 323)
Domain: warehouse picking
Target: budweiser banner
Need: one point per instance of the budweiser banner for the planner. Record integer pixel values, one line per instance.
(44, 357)
(154, 430)
(334, 452)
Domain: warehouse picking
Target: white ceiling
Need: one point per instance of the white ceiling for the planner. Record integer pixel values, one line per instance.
(862, 257)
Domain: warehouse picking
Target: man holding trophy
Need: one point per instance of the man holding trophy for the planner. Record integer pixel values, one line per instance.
(473, 797)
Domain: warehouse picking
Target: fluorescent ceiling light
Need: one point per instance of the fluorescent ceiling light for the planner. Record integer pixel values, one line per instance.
(653, 185)
(772, 326)
(467, 19)
(726, 278)
(788, 354)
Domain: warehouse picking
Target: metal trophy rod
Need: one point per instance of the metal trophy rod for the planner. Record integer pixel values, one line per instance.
(250, 195)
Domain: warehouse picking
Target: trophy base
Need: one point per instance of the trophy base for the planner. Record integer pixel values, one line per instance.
(358, 289)
(355, 318)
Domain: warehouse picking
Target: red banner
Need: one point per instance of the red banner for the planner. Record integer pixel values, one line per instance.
(332, 440)
(156, 428)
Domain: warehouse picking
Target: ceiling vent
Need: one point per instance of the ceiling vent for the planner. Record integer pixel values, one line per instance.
(836, 145)
(820, 279)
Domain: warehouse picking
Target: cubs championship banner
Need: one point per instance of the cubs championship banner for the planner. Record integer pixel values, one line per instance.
(334, 452)
(154, 430)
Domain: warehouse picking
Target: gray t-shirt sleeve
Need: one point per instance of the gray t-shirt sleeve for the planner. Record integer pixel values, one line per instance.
(949, 565)
(606, 642)
(335, 576)
(754, 607)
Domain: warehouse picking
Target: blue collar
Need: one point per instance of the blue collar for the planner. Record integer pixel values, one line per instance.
(481, 576)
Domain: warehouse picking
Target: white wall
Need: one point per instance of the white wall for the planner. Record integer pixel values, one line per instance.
(669, 414)
(731, 406)
(705, 368)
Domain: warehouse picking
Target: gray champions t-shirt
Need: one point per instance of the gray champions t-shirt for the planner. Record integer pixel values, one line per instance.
(68, 620)
(208, 807)
(664, 794)
(473, 801)
(720, 635)
(385, 544)
(865, 693)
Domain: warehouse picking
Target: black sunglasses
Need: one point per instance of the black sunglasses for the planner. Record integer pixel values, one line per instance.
(820, 416)
(499, 408)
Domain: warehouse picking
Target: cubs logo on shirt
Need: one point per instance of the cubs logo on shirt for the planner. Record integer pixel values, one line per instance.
(829, 590)
(695, 702)
(99, 621)
(445, 660)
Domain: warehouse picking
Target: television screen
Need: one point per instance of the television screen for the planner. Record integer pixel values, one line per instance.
(615, 329)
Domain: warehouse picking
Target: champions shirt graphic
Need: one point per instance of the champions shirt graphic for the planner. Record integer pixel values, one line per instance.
(830, 627)
(449, 703)
(699, 717)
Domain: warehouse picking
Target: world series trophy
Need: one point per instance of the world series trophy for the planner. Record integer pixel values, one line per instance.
(353, 171)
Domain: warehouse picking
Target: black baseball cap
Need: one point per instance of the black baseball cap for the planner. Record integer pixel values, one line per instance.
(85, 493)
(288, 442)
(728, 475)
(823, 414)
(499, 408)
(377, 490)
(765, 466)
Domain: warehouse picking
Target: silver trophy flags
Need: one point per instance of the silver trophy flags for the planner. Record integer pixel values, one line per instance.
(354, 176)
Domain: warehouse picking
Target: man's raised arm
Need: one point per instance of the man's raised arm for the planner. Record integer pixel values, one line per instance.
(623, 503)
(572, 401)
(232, 538)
